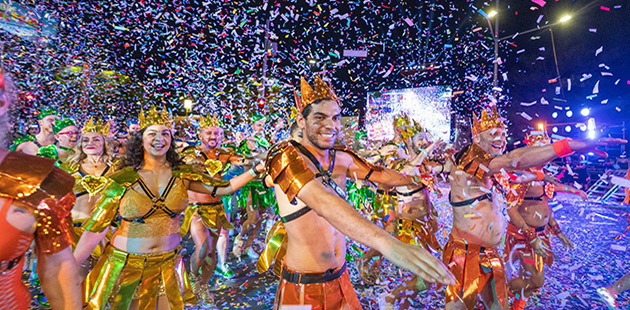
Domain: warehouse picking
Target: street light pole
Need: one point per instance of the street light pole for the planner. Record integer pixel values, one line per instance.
(496, 47)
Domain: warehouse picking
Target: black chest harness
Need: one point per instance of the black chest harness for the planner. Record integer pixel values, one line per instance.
(326, 176)
(158, 202)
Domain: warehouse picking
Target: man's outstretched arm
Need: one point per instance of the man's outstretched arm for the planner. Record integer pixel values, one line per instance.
(350, 223)
(533, 156)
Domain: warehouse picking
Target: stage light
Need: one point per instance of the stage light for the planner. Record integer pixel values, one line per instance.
(554, 114)
(565, 18)
(591, 134)
(582, 127)
(554, 129)
(492, 13)
(188, 103)
(591, 124)
(541, 126)
(585, 111)
(569, 113)
(567, 129)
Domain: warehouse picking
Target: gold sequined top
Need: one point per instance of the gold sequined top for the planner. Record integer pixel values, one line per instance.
(145, 214)
(137, 204)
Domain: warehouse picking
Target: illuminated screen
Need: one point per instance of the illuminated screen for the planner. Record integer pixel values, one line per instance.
(429, 106)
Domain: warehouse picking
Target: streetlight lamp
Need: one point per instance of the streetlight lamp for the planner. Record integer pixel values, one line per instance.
(494, 33)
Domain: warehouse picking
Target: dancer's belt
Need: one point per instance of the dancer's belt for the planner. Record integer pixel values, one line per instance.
(7, 265)
(386, 192)
(539, 229)
(309, 278)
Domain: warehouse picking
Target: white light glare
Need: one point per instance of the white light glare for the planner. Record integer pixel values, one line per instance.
(585, 111)
(188, 104)
(554, 114)
(567, 129)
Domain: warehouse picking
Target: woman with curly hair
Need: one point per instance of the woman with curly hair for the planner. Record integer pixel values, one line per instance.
(138, 268)
(90, 164)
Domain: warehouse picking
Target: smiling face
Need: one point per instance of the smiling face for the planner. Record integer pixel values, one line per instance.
(68, 136)
(322, 125)
(211, 137)
(492, 140)
(156, 140)
(93, 144)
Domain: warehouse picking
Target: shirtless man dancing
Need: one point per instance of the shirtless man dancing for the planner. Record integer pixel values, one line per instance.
(478, 221)
(530, 226)
(309, 177)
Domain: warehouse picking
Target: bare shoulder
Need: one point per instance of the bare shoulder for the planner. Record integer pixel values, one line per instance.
(29, 148)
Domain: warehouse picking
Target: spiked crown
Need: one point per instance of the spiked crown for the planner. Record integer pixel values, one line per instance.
(62, 123)
(308, 94)
(210, 121)
(99, 127)
(153, 117)
(406, 127)
(486, 121)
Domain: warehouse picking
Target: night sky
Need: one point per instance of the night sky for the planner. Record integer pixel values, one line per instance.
(111, 58)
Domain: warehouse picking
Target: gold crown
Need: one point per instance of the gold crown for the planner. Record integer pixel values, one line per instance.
(210, 121)
(98, 127)
(486, 121)
(153, 117)
(405, 126)
(537, 136)
(308, 94)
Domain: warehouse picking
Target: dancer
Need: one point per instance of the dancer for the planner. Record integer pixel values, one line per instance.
(67, 135)
(415, 221)
(35, 203)
(314, 271)
(206, 216)
(531, 223)
(138, 268)
(30, 144)
(386, 198)
(90, 164)
(255, 198)
(478, 221)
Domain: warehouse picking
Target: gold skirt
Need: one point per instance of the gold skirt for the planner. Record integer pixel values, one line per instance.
(119, 278)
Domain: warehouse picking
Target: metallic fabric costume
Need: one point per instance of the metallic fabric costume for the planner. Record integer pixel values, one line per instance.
(473, 267)
(216, 162)
(45, 189)
(329, 290)
(518, 240)
(417, 232)
(119, 276)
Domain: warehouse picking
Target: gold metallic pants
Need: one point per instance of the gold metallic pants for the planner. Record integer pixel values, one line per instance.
(120, 277)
